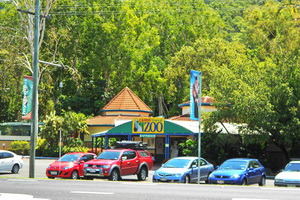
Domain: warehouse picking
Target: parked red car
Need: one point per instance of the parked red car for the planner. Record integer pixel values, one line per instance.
(69, 166)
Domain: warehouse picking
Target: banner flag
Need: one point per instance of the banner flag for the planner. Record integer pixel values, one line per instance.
(27, 97)
(195, 94)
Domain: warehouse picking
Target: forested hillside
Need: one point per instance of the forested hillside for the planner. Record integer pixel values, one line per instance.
(248, 51)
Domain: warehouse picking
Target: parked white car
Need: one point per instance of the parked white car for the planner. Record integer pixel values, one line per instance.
(290, 176)
(10, 161)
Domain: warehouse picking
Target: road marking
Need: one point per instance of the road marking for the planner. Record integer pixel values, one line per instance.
(282, 189)
(248, 199)
(11, 196)
(89, 192)
(133, 183)
(22, 180)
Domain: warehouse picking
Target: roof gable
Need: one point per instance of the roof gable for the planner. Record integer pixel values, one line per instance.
(126, 100)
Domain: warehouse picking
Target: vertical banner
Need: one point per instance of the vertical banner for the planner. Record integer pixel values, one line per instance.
(27, 97)
(195, 94)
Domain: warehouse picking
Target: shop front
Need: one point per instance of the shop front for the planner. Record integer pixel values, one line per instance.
(161, 136)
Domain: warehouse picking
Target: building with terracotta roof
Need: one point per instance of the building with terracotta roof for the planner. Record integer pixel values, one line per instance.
(124, 106)
(117, 121)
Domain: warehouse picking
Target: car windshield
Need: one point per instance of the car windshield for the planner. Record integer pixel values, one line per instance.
(69, 158)
(292, 167)
(234, 165)
(110, 155)
(177, 163)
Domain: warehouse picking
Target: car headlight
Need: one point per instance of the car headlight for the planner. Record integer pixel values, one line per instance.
(178, 174)
(279, 180)
(66, 167)
(235, 176)
(211, 176)
(106, 166)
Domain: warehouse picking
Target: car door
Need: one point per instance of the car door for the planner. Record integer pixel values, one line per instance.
(7, 161)
(258, 171)
(251, 173)
(129, 163)
(203, 170)
(2, 161)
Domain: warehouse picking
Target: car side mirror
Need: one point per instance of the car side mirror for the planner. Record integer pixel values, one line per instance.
(250, 168)
(194, 166)
(217, 167)
(81, 161)
(124, 158)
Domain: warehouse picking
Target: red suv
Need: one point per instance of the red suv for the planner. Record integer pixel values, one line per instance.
(69, 166)
(115, 163)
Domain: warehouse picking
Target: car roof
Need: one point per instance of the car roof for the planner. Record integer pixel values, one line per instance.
(295, 162)
(80, 153)
(242, 159)
(7, 151)
(186, 157)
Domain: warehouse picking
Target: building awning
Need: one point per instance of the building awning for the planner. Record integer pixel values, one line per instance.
(171, 128)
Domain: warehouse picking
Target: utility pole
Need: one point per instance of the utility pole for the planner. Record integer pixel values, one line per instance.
(35, 90)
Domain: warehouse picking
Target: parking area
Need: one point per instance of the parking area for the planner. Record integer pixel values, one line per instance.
(42, 164)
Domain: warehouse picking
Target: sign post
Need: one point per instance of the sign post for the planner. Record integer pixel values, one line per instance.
(195, 106)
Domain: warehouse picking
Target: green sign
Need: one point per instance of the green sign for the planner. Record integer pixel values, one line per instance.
(147, 135)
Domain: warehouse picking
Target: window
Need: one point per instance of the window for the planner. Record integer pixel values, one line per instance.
(143, 154)
(6, 155)
(129, 155)
(255, 164)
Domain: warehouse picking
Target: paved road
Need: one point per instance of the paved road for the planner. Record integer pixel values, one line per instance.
(42, 164)
(43, 189)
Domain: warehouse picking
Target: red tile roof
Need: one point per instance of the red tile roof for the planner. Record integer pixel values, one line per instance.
(126, 100)
(205, 99)
(185, 117)
(107, 120)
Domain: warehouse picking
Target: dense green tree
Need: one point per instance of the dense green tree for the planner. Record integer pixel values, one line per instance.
(264, 94)
(70, 128)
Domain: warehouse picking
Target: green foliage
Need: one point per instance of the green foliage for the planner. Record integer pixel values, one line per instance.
(20, 147)
(189, 148)
(248, 51)
(74, 145)
(68, 128)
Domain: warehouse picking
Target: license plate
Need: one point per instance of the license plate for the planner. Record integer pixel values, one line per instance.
(163, 179)
(92, 170)
(53, 173)
(220, 182)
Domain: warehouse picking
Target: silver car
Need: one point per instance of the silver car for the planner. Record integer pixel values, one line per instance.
(10, 161)
(183, 170)
(290, 176)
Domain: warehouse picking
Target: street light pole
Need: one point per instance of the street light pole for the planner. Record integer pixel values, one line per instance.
(35, 91)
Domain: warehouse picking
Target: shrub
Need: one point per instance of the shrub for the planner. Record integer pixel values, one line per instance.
(20, 147)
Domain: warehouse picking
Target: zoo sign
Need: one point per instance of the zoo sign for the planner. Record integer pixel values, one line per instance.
(148, 125)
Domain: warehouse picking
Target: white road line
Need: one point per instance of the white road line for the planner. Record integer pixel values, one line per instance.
(11, 196)
(248, 199)
(281, 189)
(133, 183)
(89, 192)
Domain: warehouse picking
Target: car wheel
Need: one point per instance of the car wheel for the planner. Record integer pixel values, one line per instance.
(263, 181)
(244, 182)
(207, 181)
(114, 176)
(15, 169)
(142, 175)
(74, 175)
(186, 179)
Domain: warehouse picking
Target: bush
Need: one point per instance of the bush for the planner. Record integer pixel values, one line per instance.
(20, 147)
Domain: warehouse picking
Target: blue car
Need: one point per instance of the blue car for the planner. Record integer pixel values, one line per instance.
(183, 170)
(239, 171)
